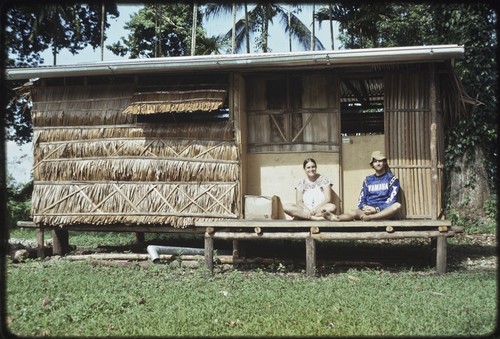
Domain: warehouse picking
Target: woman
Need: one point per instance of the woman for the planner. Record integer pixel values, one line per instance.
(313, 196)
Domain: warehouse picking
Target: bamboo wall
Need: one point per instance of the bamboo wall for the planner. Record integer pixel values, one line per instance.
(94, 164)
(408, 122)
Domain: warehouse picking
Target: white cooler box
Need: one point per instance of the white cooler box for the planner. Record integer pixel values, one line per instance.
(261, 208)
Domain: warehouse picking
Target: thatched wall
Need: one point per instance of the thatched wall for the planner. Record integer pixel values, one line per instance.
(176, 101)
(94, 164)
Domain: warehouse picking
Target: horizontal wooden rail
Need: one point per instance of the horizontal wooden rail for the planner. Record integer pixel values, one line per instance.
(246, 223)
(160, 228)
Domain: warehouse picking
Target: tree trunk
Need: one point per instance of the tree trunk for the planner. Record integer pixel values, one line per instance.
(233, 37)
(193, 32)
(289, 27)
(331, 27)
(313, 28)
(103, 16)
(247, 33)
(469, 188)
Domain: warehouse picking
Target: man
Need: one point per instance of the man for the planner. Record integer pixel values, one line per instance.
(379, 194)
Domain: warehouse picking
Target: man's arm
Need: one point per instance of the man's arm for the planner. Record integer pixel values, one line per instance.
(393, 193)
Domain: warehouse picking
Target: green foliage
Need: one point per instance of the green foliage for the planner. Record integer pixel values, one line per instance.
(491, 207)
(18, 201)
(471, 223)
(159, 30)
(18, 114)
(32, 29)
(87, 299)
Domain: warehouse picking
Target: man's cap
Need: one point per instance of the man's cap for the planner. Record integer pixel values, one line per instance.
(377, 155)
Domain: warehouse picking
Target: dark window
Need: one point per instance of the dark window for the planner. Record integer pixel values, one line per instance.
(362, 106)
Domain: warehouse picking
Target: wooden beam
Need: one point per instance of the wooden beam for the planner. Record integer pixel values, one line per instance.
(160, 228)
(254, 236)
(307, 224)
(380, 235)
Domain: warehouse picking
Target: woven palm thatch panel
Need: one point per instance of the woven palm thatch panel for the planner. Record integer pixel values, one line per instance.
(201, 131)
(136, 169)
(176, 101)
(140, 147)
(178, 204)
(81, 105)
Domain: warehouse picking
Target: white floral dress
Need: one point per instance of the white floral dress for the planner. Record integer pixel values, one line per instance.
(312, 191)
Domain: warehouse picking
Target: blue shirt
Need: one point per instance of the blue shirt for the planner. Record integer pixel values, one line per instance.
(379, 192)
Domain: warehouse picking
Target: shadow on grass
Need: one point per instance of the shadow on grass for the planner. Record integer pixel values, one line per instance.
(340, 256)
(331, 256)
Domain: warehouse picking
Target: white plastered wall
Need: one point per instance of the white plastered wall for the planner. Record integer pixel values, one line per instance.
(356, 153)
(278, 174)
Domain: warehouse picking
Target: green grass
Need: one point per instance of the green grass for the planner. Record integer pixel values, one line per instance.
(58, 298)
(66, 298)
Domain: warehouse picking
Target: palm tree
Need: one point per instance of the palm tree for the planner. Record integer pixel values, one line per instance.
(259, 19)
(214, 10)
(211, 45)
(324, 13)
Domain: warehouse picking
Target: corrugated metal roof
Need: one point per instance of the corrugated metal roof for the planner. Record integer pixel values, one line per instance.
(240, 62)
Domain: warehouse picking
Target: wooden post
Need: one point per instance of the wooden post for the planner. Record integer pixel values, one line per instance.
(310, 257)
(139, 238)
(441, 254)
(209, 251)
(60, 242)
(433, 143)
(236, 250)
(40, 248)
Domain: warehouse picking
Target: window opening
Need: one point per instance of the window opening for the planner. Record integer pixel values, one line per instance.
(362, 106)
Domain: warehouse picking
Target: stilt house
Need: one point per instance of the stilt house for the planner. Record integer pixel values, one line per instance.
(168, 141)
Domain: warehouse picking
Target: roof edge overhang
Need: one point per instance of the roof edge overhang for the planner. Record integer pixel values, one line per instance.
(241, 62)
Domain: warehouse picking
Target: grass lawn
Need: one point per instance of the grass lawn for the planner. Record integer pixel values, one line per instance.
(58, 297)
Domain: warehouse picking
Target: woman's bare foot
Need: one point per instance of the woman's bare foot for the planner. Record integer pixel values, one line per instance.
(365, 217)
(329, 216)
(316, 218)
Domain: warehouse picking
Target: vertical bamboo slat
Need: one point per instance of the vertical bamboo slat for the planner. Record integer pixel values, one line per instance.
(408, 140)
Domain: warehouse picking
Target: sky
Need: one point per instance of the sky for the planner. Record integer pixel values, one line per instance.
(20, 158)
